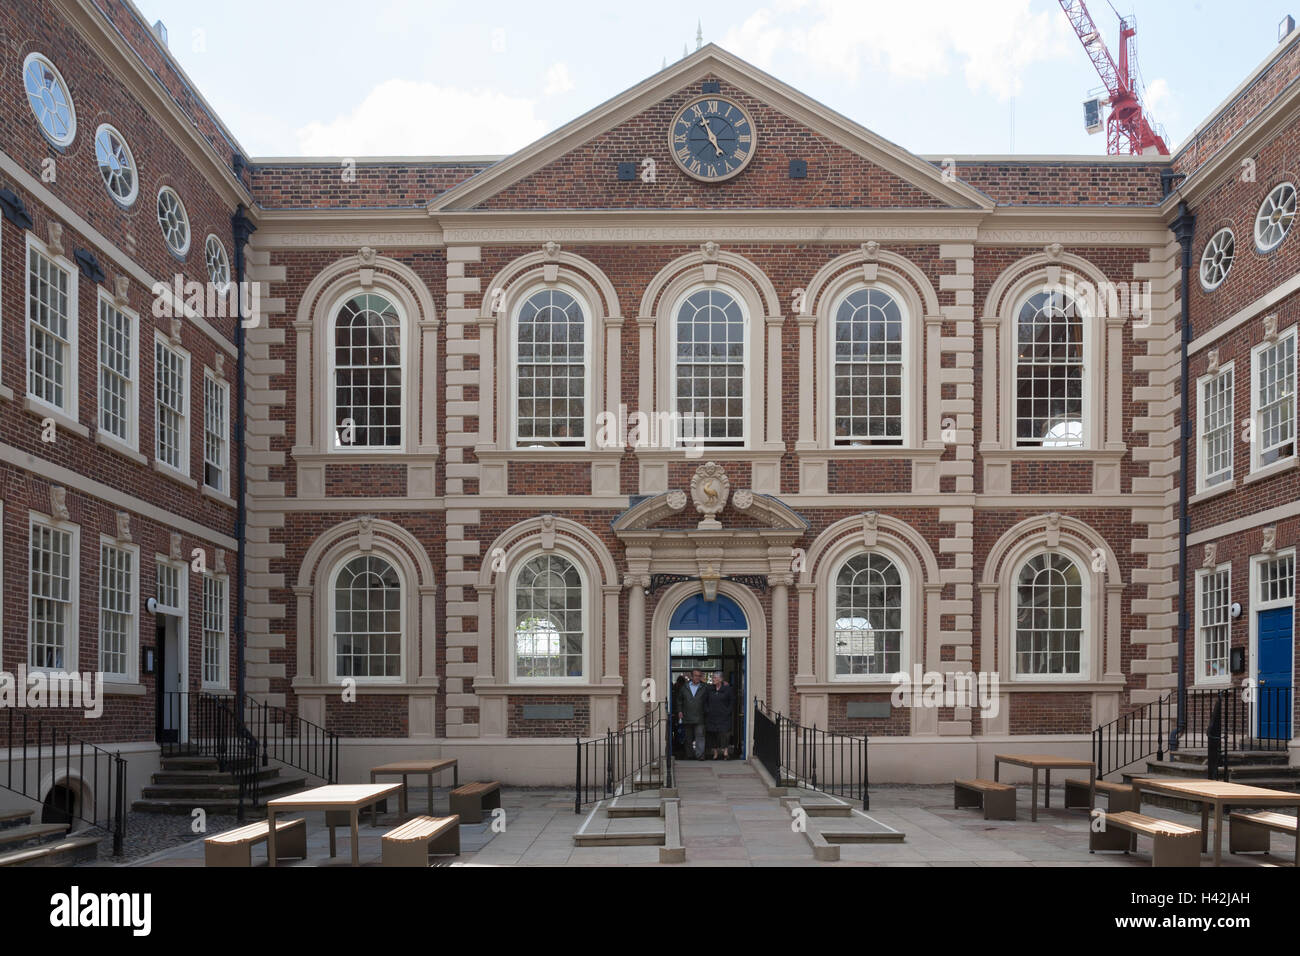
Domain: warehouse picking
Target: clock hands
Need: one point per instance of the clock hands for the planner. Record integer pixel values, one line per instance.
(712, 139)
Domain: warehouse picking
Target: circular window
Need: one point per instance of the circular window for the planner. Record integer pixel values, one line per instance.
(49, 98)
(116, 165)
(172, 220)
(214, 255)
(1273, 221)
(1216, 260)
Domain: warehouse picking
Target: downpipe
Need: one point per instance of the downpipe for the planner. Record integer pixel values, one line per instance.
(1183, 227)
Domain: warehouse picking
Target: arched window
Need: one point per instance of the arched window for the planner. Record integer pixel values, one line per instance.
(868, 360)
(367, 373)
(549, 618)
(551, 360)
(1049, 372)
(867, 614)
(1049, 617)
(367, 638)
(710, 368)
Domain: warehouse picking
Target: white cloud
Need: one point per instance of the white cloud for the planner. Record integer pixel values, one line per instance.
(558, 80)
(405, 117)
(991, 42)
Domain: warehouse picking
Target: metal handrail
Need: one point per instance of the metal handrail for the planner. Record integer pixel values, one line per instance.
(810, 757)
(612, 764)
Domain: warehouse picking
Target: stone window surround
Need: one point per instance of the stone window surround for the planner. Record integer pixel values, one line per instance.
(1102, 604)
(922, 443)
(602, 682)
(712, 267)
(1103, 393)
(314, 594)
(313, 434)
(518, 280)
(588, 606)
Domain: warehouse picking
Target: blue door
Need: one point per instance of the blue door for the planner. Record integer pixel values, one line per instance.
(1275, 656)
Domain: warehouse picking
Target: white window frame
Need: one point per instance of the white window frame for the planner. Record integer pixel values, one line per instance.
(331, 635)
(223, 680)
(185, 216)
(1204, 383)
(126, 202)
(132, 440)
(1257, 430)
(332, 444)
(72, 628)
(66, 140)
(223, 438)
(747, 395)
(1087, 639)
(186, 415)
(512, 646)
(131, 650)
(588, 382)
(1199, 678)
(1090, 428)
(905, 619)
(72, 380)
(907, 414)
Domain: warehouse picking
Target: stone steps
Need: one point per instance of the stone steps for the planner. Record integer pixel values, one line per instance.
(23, 843)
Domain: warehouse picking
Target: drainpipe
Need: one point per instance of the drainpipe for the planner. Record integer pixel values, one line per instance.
(1183, 228)
(241, 228)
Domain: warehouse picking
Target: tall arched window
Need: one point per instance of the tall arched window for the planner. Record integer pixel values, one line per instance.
(1049, 617)
(551, 360)
(868, 357)
(549, 619)
(368, 623)
(709, 368)
(367, 373)
(1049, 371)
(867, 615)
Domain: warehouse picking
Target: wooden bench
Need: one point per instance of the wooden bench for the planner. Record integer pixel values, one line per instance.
(998, 800)
(1173, 843)
(412, 842)
(1119, 796)
(235, 847)
(469, 801)
(1249, 832)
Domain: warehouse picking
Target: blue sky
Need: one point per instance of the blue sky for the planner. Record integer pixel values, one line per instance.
(413, 77)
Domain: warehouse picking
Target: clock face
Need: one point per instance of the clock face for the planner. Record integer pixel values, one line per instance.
(712, 139)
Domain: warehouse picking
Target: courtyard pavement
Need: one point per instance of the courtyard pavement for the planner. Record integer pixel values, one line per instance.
(728, 819)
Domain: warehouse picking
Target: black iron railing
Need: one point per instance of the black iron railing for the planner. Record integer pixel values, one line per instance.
(1133, 736)
(291, 740)
(810, 757)
(639, 755)
(1252, 717)
(201, 724)
(89, 783)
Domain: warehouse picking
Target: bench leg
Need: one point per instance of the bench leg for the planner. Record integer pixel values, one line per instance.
(430, 794)
(1076, 797)
(447, 842)
(405, 853)
(1176, 851)
(294, 841)
(1111, 838)
(217, 855)
(963, 798)
(1000, 805)
(1246, 837)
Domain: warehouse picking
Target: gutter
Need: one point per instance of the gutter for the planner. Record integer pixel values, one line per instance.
(1183, 228)
(241, 228)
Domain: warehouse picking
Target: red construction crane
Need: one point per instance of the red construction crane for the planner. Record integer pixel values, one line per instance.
(1127, 129)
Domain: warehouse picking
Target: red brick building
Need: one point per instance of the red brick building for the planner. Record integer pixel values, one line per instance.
(711, 375)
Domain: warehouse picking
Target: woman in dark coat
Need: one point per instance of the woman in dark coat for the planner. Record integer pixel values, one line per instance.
(719, 713)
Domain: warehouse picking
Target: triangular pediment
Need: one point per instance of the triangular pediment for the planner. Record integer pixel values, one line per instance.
(575, 167)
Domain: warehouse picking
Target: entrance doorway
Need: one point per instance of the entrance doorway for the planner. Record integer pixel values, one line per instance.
(172, 665)
(1276, 659)
(709, 636)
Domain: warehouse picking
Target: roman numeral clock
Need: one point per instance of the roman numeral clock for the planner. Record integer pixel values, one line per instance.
(712, 139)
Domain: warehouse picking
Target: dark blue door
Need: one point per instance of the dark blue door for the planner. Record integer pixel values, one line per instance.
(1275, 656)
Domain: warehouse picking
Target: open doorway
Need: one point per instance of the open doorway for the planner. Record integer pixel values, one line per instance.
(711, 637)
(172, 703)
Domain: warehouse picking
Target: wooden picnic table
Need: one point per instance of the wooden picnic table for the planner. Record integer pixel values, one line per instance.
(1047, 763)
(409, 768)
(1216, 794)
(350, 798)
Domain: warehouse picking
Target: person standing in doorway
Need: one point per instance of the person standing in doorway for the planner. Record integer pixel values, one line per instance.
(719, 711)
(690, 711)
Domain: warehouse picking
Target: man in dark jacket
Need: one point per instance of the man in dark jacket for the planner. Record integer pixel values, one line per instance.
(719, 712)
(690, 711)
